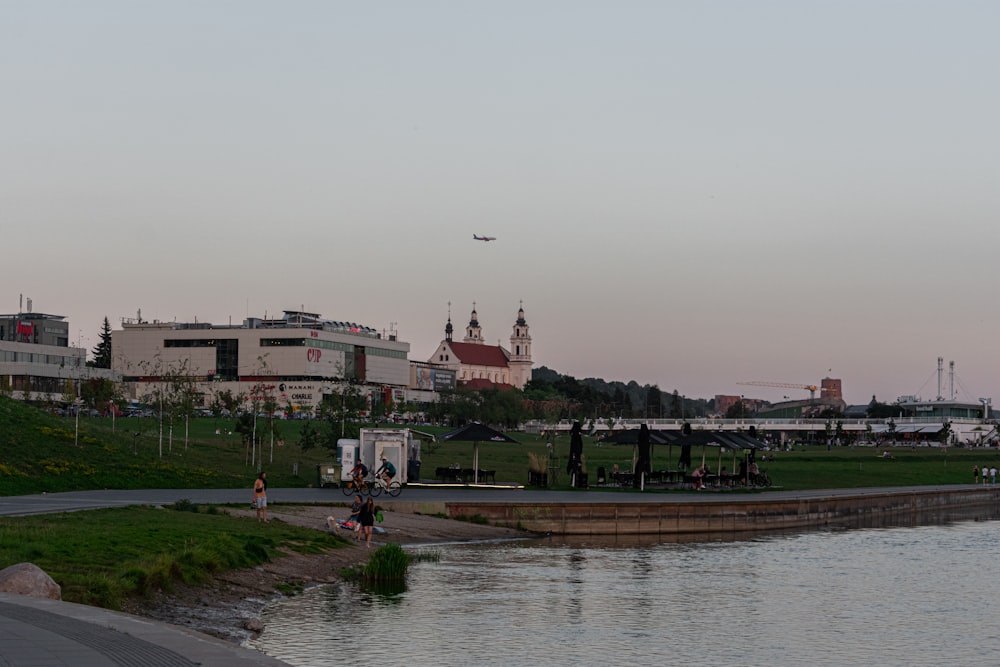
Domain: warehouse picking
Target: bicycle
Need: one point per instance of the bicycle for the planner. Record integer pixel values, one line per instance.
(760, 479)
(393, 488)
(350, 487)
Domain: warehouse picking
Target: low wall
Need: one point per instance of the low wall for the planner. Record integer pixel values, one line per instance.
(740, 515)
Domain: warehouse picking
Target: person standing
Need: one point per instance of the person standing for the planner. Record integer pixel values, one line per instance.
(355, 514)
(260, 496)
(975, 474)
(993, 474)
(367, 519)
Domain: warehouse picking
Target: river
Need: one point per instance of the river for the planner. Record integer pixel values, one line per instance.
(911, 596)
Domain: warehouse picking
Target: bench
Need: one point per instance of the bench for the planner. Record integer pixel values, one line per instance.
(448, 474)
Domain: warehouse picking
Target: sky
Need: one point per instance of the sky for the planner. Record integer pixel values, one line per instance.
(687, 194)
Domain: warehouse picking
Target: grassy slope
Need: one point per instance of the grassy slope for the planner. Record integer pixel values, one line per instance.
(102, 556)
(37, 453)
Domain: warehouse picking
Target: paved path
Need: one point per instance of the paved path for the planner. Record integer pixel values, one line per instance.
(50, 633)
(47, 503)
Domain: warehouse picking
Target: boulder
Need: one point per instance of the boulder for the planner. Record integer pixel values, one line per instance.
(29, 579)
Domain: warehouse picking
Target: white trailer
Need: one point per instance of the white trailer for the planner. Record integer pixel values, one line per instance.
(397, 445)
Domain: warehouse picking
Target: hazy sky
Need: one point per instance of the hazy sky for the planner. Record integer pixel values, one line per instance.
(690, 194)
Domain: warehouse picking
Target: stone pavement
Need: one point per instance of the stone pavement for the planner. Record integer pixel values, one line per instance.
(37, 632)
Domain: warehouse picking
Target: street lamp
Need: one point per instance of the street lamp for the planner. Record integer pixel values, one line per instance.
(76, 436)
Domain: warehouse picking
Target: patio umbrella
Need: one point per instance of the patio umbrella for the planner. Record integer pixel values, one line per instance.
(575, 463)
(475, 433)
(684, 462)
(631, 437)
(642, 464)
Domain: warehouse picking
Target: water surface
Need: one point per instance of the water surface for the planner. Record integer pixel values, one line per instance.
(897, 596)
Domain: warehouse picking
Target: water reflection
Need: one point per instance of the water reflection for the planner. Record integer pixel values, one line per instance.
(895, 596)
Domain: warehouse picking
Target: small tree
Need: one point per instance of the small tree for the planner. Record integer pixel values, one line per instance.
(340, 411)
(309, 437)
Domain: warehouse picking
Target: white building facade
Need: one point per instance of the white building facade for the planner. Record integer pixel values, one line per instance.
(295, 360)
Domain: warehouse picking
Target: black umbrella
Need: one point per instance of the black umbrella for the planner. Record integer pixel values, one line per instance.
(642, 464)
(476, 433)
(574, 466)
(631, 437)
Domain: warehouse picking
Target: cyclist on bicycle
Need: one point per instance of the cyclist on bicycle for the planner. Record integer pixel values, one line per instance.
(386, 471)
(358, 473)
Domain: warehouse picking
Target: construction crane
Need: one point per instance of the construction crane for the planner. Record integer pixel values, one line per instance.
(786, 385)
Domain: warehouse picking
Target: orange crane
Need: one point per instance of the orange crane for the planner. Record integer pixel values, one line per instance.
(786, 385)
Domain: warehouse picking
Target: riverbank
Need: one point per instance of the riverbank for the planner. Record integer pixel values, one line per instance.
(229, 607)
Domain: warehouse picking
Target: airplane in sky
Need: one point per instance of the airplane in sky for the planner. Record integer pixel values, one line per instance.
(484, 238)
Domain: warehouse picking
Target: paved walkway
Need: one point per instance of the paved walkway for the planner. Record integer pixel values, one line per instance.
(50, 633)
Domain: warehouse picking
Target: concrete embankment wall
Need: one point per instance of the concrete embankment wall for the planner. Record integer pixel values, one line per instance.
(739, 515)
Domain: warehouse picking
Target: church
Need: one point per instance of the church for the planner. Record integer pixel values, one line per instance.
(478, 365)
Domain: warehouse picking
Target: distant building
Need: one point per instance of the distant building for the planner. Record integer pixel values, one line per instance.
(293, 360)
(36, 361)
(830, 389)
(478, 365)
(723, 403)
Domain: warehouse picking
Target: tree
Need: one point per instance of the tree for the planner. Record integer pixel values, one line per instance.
(309, 436)
(69, 391)
(98, 393)
(945, 432)
(676, 411)
(340, 411)
(102, 352)
(654, 402)
(736, 410)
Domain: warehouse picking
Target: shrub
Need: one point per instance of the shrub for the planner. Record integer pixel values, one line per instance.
(388, 563)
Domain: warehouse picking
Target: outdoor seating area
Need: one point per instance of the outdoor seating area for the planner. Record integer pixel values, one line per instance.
(465, 475)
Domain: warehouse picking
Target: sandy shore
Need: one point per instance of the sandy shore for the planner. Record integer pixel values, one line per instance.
(230, 606)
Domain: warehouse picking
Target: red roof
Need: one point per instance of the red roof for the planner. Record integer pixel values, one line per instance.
(480, 355)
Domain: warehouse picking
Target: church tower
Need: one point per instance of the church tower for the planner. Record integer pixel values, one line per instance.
(473, 333)
(448, 329)
(520, 351)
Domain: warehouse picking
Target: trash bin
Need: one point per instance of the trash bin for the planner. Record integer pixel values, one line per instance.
(326, 475)
(413, 471)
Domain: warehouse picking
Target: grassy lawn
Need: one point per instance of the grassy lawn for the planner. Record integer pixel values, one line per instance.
(100, 557)
(42, 452)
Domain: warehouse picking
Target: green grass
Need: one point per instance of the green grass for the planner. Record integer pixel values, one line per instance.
(855, 467)
(37, 453)
(41, 452)
(101, 557)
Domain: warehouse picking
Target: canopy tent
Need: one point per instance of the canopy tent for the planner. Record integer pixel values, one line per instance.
(475, 433)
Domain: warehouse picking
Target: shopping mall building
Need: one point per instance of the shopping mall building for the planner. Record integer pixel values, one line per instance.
(294, 360)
